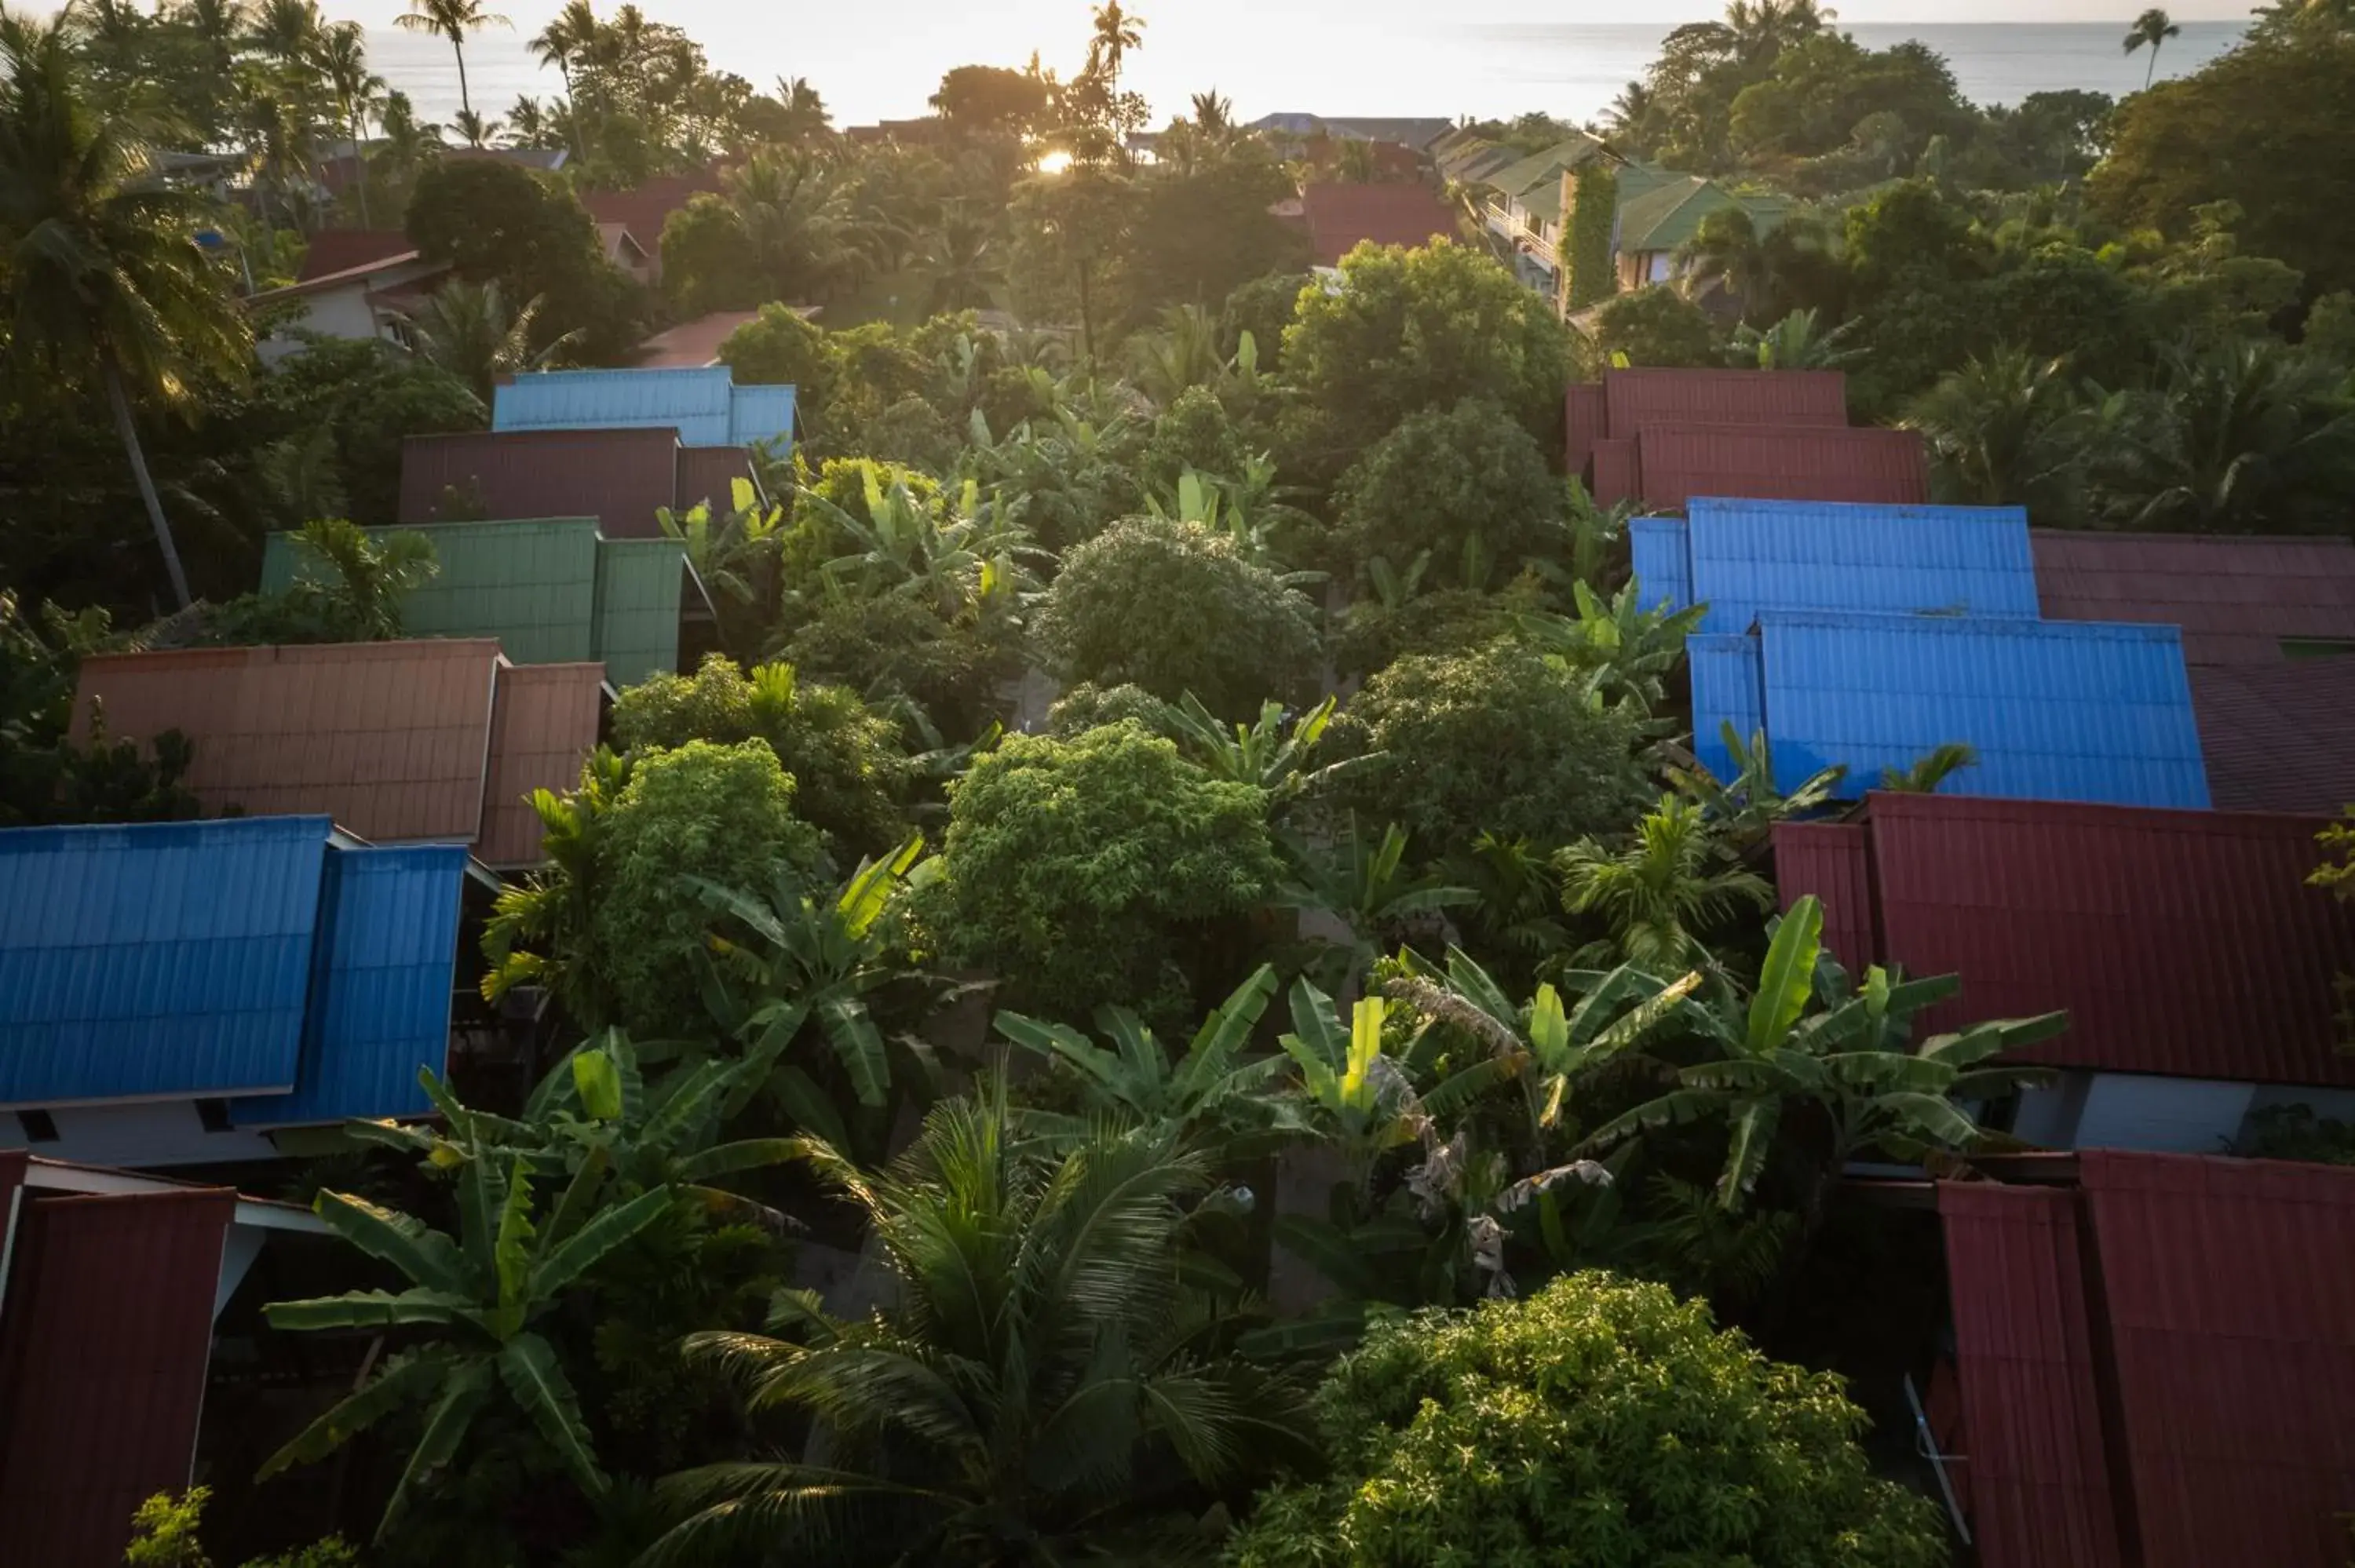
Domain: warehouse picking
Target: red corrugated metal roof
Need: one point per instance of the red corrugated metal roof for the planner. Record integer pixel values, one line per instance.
(2278, 737)
(1617, 478)
(105, 1335)
(2228, 1286)
(546, 723)
(1585, 420)
(335, 250)
(1677, 462)
(619, 477)
(691, 344)
(2032, 1444)
(2180, 942)
(1774, 397)
(1832, 861)
(647, 208)
(706, 474)
(1395, 212)
(2236, 597)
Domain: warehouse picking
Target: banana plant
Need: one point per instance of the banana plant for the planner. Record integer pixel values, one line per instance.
(1630, 649)
(733, 554)
(1743, 811)
(1393, 587)
(1848, 1061)
(971, 558)
(1270, 754)
(1359, 881)
(479, 1292)
(1212, 1093)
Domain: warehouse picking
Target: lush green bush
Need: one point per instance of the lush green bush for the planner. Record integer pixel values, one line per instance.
(1194, 432)
(1599, 1423)
(1500, 739)
(722, 812)
(899, 648)
(1442, 478)
(847, 768)
(1657, 326)
(1091, 871)
(1375, 634)
(1085, 707)
(778, 346)
(1174, 607)
(1264, 307)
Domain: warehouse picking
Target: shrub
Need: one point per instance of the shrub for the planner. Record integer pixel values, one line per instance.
(847, 768)
(722, 812)
(1443, 477)
(1085, 707)
(898, 649)
(1657, 326)
(1194, 432)
(1500, 740)
(1085, 872)
(1174, 607)
(1600, 1422)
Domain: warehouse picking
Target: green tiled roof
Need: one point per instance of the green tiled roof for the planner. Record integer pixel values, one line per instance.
(552, 590)
(1522, 181)
(1660, 210)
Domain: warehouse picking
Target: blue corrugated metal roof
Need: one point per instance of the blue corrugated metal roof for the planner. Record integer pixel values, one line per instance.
(1726, 688)
(1660, 551)
(701, 403)
(2058, 711)
(162, 960)
(381, 977)
(1750, 555)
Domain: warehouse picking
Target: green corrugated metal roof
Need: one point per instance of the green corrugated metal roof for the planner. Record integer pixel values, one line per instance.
(552, 590)
(1667, 212)
(1544, 169)
(638, 587)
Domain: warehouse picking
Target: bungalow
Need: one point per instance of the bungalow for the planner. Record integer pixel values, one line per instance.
(355, 283)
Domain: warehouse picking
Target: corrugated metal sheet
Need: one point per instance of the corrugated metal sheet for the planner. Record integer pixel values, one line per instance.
(1832, 861)
(531, 584)
(1677, 462)
(2186, 943)
(2237, 597)
(165, 959)
(1639, 397)
(706, 476)
(104, 1344)
(640, 584)
(1727, 688)
(1659, 550)
(1616, 475)
(2057, 712)
(2279, 737)
(2227, 1284)
(1585, 420)
(1749, 555)
(547, 723)
(762, 414)
(382, 974)
(2033, 1442)
(391, 739)
(1341, 217)
(621, 477)
(701, 403)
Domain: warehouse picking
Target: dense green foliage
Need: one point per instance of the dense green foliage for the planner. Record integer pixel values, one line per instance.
(1459, 484)
(1597, 1421)
(1172, 607)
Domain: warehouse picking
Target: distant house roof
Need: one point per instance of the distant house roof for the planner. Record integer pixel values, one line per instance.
(620, 245)
(548, 160)
(2279, 737)
(552, 591)
(398, 272)
(252, 959)
(341, 249)
(1340, 217)
(393, 740)
(702, 404)
(621, 477)
(2238, 599)
(2161, 1356)
(1674, 462)
(1541, 174)
(645, 210)
(1418, 133)
(692, 345)
(2183, 943)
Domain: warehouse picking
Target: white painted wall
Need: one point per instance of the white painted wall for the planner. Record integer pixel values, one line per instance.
(146, 1136)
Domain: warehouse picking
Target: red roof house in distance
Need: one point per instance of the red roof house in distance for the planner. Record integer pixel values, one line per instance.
(2240, 599)
(1402, 212)
(645, 210)
(2155, 1363)
(620, 477)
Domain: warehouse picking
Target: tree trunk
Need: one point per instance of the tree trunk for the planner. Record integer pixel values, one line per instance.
(572, 107)
(459, 50)
(120, 401)
(359, 163)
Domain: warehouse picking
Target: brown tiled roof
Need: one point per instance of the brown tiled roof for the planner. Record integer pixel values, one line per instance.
(2236, 597)
(691, 344)
(2278, 737)
(335, 250)
(645, 210)
(547, 719)
(1393, 213)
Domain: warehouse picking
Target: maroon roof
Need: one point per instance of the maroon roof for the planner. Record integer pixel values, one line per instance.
(1779, 397)
(105, 1335)
(1393, 213)
(1615, 476)
(2180, 942)
(1792, 462)
(2168, 1343)
(705, 475)
(2236, 597)
(619, 477)
(1832, 861)
(646, 208)
(692, 343)
(2278, 737)
(1584, 418)
(335, 250)
(2031, 1449)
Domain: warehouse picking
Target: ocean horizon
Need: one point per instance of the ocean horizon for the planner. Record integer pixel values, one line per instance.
(1305, 61)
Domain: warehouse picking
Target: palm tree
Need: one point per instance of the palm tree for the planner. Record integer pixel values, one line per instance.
(469, 331)
(2005, 430)
(358, 93)
(2153, 27)
(804, 234)
(288, 32)
(476, 130)
(1631, 108)
(1932, 768)
(568, 36)
(100, 255)
(450, 19)
(1116, 33)
(1659, 895)
(1215, 115)
(1796, 342)
(1035, 1380)
(408, 141)
(959, 258)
